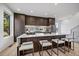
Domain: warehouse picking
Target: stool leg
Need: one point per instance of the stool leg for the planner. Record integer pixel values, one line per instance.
(39, 50)
(42, 51)
(68, 45)
(64, 47)
(33, 52)
(23, 52)
(33, 49)
(19, 53)
(51, 50)
(73, 45)
(57, 48)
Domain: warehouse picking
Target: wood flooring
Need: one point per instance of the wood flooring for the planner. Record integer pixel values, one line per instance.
(12, 51)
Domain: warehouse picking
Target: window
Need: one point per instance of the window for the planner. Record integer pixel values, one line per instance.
(6, 24)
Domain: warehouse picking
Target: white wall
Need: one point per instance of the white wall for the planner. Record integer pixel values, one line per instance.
(7, 41)
(69, 22)
(58, 26)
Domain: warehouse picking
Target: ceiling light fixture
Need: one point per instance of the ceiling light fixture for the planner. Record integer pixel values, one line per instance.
(55, 4)
(18, 9)
(45, 13)
(31, 11)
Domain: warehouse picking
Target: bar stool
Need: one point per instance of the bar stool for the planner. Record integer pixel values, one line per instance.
(45, 43)
(58, 42)
(27, 46)
(69, 40)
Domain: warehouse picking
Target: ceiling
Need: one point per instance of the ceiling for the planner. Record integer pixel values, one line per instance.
(57, 10)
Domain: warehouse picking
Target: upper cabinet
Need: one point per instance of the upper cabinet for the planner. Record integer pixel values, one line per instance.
(32, 20)
(51, 21)
(41, 21)
(38, 21)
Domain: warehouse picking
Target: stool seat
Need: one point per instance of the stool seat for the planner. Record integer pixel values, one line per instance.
(45, 43)
(70, 40)
(27, 43)
(58, 41)
(26, 47)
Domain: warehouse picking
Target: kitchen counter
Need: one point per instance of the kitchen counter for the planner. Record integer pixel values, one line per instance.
(34, 35)
(35, 38)
(37, 35)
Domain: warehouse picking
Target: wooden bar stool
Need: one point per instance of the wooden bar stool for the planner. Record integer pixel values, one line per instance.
(45, 43)
(27, 46)
(70, 39)
(70, 46)
(58, 42)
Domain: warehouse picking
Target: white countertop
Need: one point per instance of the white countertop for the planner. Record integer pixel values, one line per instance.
(36, 35)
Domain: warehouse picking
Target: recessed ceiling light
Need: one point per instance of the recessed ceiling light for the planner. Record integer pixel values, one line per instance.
(55, 4)
(31, 11)
(66, 21)
(45, 13)
(18, 9)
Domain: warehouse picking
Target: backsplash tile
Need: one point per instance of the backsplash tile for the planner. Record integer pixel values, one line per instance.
(31, 28)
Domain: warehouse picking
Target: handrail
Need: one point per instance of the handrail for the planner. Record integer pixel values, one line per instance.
(75, 33)
(74, 27)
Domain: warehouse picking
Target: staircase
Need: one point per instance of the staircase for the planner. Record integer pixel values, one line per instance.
(75, 30)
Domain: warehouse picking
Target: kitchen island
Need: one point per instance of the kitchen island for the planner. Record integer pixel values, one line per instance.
(35, 38)
(51, 36)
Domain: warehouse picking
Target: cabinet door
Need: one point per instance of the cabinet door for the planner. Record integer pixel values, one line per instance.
(40, 21)
(19, 26)
(43, 22)
(30, 20)
(33, 21)
(51, 21)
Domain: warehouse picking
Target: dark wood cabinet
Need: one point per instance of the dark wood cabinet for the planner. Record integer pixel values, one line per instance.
(39, 21)
(20, 20)
(51, 21)
(36, 21)
(30, 21)
(19, 25)
(42, 22)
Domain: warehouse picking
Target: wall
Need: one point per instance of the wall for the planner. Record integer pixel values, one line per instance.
(69, 22)
(1, 26)
(5, 41)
